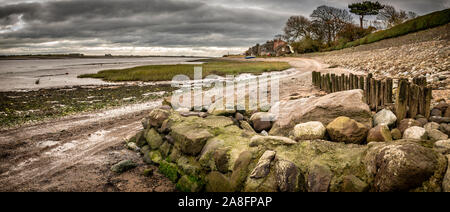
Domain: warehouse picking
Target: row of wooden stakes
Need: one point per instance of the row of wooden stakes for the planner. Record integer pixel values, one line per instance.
(412, 98)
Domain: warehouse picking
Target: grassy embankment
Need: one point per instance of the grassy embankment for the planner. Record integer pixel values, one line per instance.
(420, 23)
(167, 72)
(20, 107)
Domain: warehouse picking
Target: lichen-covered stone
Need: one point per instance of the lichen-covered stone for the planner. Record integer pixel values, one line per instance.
(165, 149)
(217, 182)
(241, 170)
(319, 178)
(309, 131)
(288, 176)
(247, 127)
(386, 117)
(270, 141)
(262, 168)
(417, 133)
(396, 134)
(157, 117)
(191, 140)
(154, 139)
(380, 133)
(221, 158)
(206, 158)
(400, 166)
(140, 139)
(132, 146)
(346, 130)
(155, 156)
(189, 166)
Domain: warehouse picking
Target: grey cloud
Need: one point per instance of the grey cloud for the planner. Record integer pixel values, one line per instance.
(160, 23)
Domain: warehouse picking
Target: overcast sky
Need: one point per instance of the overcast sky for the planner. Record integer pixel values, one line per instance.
(156, 27)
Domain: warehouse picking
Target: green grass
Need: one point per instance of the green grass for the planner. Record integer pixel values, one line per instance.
(420, 23)
(167, 72)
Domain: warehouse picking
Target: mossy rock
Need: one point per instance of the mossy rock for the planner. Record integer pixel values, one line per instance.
(170, 170)
(140, 139)
(217, 182)
(189, 165)
(241, 170)
(154, 139)
(165, 149)
(342, 159)
(155, 156)
(189, 184)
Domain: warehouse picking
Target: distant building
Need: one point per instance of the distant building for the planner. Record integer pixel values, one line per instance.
(275, 47)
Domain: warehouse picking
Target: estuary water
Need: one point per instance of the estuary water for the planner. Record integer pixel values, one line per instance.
(16, 75)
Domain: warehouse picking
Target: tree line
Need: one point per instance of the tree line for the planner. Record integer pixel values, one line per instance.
(329, 26)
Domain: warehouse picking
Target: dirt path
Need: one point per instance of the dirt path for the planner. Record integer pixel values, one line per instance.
(76, 152)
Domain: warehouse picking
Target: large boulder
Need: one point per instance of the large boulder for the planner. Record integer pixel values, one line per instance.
(407, 123)
(324, 109)
(386, 117)
(262, 121)
(417, 133)
(402, 166)
(346, 130)
(380, 133)
(309, 131)
(191, 140)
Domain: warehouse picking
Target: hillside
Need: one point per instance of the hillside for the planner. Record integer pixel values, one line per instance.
(423, 53)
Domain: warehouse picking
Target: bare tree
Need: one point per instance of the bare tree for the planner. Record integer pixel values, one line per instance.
(391, 17)
(297, 27)
(332, 19)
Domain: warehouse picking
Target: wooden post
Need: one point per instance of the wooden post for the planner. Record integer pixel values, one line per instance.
(328, 82)
(377, 95)
(332, 83)
(351, 82)
(389, 87)
(373, 91)
(361, 82)
(413, 100)
(342, 82)
(382, 93)
(367, 91)
(402, 100)
(428, 97)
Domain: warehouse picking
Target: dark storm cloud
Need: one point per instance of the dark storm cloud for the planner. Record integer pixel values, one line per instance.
(159, 23)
